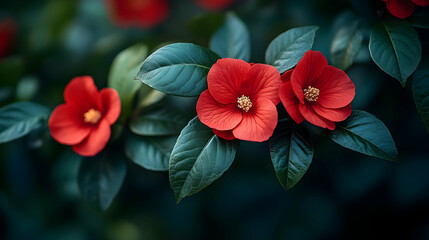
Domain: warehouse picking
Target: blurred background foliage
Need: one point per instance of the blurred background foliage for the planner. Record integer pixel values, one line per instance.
(343, 195)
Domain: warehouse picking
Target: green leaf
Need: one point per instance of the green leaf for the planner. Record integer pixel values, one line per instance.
(421, 91)
(159, 121)
(395, 47)
(19, 119)
(285, 51)
(346, 45)
(178, 69)
(198, 159)
(364, 133)
(122, 73)
(101, 177)
(291, 151)
(232, 40)
(148, 96)
(152, 153)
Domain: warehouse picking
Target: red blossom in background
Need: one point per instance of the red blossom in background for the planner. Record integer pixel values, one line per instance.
(214, 5)
(403, 8)
(241, 100)
(139, 13)
(7, 36)
(84, 120)
(317, 92)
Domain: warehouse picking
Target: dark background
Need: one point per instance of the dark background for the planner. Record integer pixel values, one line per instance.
(343, 195)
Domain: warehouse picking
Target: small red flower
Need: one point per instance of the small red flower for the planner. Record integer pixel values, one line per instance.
(7, 36)
(403, 8)
(139, 13)
(214, 5)
(317, 92)
(84, 120)
(241, 100)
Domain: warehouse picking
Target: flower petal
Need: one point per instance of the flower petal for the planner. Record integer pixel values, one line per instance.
(287, 75)
(421, 2)
(140, 13)
(290, 102)
(81, 91)
(262, 81)
(227, 135)
(259, 123)
(336, 88)
(216, 115)
(312, 117)
(336, 115)
(225, 78)
(66, 125)
(96, 140)
(307, 71)
(111, 104)
(400, 8)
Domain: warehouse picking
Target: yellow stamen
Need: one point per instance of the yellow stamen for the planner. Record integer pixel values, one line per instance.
(311, 94)
(92, 116)
(244, 103)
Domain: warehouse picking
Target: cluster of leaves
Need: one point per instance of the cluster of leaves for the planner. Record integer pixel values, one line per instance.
(161, 138)
(394, 46)
(199, 157)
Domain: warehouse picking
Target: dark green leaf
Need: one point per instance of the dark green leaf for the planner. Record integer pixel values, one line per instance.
(159, 121)
(101, 177)
(152, 153)
(19, 119)
(285, 51)
(122, 73)
(346, 45)
(198, 159)
(364, 133)
(421, 91)
(395, 47)
(291, 151)
(148, 96)
(178, 69)
(232, 40)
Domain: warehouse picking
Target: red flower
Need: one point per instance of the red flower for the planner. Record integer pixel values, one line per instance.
(214, 5)
(317, 92)
(84, 120)
(140, 13)
(241, 100)
(403, 8)
(7, 36)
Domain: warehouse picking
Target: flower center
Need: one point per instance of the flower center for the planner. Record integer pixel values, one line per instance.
(92, 116)
(311, 94)
(244, 103)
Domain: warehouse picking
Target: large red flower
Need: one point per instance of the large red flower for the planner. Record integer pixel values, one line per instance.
(317, 92)
(241, 100)
(403, 8)
(140, 13)
(84, 120)
(214, 5)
